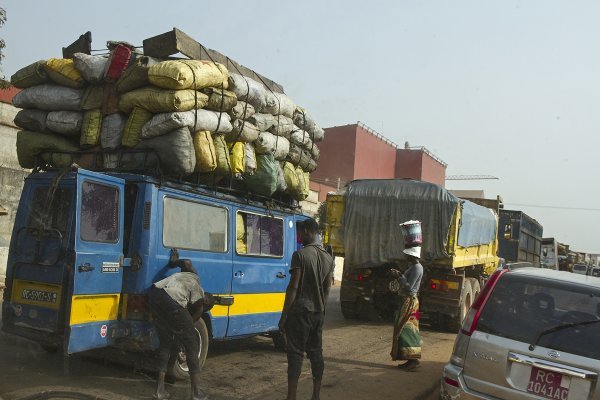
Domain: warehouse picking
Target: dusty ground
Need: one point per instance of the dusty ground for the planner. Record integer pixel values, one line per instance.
(356, 355)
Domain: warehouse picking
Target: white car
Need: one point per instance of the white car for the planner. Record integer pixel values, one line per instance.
(532, 333)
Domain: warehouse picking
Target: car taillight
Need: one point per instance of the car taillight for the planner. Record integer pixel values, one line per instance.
(138, 307)
(472, 317)
(451, 382)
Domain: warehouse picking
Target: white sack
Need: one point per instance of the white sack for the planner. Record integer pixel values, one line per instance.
(49, 97)
(206, 120)
(247, 89)
(91, 67)
(111, 134)
(65, 122)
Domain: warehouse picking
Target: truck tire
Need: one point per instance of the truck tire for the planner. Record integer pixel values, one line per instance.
(475, 288)
(180, 370)
(349, 310)
(466, 299)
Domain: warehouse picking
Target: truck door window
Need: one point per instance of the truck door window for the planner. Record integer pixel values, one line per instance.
(99, 213)
(50, 212)
(194, 226)
(259, 235)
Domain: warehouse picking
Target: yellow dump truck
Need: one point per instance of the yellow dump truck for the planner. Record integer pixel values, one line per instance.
(458, 251)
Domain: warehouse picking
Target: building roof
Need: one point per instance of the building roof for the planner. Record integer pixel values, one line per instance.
(3, 211)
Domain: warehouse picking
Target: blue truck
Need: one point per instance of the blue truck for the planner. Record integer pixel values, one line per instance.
(87, 246)
(519, 237)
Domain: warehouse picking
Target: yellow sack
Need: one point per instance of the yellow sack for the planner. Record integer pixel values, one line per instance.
(206, 157)
(133, 127)
(223, 160)
(297, 181)
(188, 74)
(240, 234)
(219, 99)
(63, 72)
(90, 128)
(237, 154)
(158, 100)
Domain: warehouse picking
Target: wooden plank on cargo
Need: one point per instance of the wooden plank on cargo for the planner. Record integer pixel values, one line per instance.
(177, 41)
(81, 45)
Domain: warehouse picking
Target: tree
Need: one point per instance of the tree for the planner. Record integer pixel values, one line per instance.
(3, 82)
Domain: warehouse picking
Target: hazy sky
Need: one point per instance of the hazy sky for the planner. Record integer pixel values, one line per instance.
(507, 88)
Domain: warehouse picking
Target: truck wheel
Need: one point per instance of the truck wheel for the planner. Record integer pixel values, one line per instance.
(349, 310)
(180, 369)
(466, 299)
(475, 288)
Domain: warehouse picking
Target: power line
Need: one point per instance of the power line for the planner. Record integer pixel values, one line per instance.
(469, 177)
(554, 207)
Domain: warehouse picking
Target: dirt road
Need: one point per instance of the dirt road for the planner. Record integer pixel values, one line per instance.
(357, 360)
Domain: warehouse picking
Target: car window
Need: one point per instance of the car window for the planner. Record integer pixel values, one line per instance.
(520, 307)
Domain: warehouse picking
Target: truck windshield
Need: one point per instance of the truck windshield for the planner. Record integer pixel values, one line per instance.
(521, 307)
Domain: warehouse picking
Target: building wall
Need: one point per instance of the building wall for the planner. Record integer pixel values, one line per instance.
(432, 171)
(374, 158)
(11, 179)
(337, 155)
(408, 164)
(416, 164)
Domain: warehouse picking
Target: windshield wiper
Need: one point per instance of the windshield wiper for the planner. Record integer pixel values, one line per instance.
(558, 328)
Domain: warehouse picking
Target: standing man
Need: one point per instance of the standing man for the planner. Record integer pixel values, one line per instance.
(304, 308)
(177, 302)
(407, 339)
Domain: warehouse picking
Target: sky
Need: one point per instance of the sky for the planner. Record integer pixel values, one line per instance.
(499, 87)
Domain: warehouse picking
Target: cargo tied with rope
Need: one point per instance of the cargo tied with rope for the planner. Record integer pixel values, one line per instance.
(205, 118)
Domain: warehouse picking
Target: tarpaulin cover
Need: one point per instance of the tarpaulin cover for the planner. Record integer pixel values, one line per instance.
(374, 210)
(478, 225)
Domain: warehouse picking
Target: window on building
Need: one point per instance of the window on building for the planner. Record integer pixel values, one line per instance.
(194, 226)
(259, 235)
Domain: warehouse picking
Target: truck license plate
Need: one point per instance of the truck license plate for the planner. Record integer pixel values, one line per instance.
(41, 296)
(548, 384)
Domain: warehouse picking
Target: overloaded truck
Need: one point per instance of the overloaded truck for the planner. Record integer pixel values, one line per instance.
(519, 237)
(458, 251)
(123, 179)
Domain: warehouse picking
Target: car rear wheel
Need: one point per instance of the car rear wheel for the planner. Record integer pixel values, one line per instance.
(180, 370)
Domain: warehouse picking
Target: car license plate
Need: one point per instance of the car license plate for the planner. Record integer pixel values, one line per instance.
(548, 384)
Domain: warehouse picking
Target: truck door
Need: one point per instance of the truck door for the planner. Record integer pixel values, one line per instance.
(260, 271)
(97, 276)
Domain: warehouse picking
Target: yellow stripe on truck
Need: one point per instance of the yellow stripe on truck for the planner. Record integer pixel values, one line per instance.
(94, 308)
(251, 303)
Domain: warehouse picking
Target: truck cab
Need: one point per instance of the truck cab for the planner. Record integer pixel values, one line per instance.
(87, 246)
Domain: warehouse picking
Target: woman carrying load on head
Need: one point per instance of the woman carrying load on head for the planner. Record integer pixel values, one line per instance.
(406, 343)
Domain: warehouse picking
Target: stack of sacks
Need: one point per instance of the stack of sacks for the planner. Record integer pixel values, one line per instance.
(191, 118)
(283, 137)
(116, 102)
